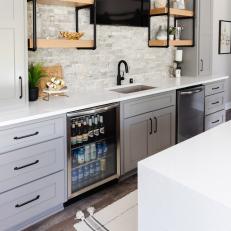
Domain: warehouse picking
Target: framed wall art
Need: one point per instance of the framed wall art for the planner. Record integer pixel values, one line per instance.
(224, 37)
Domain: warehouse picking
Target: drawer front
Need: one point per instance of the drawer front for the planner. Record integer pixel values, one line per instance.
(23, 136)
(148, 104)
(23, 203)
(214, 120)
(214, 88)
(214, 103)
(29, 164)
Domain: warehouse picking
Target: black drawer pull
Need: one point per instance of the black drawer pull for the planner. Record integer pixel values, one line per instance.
(215, 88)
(26, 166)
(216, 103)
(27, 136)
(215, 122)
(27, 202)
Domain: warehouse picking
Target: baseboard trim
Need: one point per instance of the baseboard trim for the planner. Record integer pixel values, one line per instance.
(228, 106)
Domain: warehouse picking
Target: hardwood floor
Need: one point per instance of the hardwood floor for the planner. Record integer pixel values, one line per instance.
(64, 220)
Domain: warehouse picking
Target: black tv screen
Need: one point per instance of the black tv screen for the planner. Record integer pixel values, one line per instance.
(122, 12)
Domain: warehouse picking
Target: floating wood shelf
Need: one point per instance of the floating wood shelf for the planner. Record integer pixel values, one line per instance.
(72, 3)
(173, 12)
(62, 43)
(163, 43)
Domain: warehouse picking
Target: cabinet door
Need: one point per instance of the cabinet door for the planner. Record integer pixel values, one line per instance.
(205, 37)
(163, 129)
(137, 132)
(12, 53)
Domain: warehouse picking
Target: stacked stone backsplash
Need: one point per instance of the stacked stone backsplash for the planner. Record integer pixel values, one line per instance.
(88, 68)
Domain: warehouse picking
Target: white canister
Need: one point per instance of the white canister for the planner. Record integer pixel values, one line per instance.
(178, 72)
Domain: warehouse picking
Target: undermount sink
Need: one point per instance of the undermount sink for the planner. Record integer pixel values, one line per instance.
(132, 89)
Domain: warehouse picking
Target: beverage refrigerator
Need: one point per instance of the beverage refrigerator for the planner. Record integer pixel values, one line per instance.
(92, 148)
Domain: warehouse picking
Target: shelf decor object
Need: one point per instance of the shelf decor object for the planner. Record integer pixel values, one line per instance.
(34, 43)
(178, 14)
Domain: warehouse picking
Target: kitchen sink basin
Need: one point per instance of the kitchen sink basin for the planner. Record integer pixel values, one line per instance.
(132, 89)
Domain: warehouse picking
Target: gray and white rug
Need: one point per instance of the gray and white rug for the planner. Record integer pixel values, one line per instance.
(121, 215)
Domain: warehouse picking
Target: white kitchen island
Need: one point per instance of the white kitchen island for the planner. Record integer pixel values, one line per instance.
(188, 187)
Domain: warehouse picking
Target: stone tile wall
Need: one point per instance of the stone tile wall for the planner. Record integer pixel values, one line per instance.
(87, 68)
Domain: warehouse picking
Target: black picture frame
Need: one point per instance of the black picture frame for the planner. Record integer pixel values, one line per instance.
(220, 50)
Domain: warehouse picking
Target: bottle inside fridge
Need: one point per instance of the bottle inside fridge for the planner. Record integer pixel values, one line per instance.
(93, 157)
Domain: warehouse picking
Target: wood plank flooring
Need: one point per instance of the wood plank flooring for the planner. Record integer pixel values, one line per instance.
(64, 220)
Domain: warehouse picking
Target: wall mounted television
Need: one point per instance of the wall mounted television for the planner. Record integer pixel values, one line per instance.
(122, 12)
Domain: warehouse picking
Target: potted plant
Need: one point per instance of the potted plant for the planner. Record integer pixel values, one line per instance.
(172, 32)
(35, 73)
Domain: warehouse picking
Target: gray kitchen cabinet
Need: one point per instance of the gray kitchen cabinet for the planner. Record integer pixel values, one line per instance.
(148, 133)
(164, 129)
(198, 59)
(214, 104)
(13, 58)
(137, 139)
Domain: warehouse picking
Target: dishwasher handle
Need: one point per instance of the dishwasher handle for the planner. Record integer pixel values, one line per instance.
(191, 92)
(93, 110)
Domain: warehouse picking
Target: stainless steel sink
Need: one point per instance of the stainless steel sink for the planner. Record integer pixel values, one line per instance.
(132, 89)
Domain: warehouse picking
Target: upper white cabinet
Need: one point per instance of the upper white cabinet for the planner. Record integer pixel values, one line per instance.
(198, 60)
(13, 60)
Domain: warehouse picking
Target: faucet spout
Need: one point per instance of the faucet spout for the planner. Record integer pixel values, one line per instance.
(119, 77)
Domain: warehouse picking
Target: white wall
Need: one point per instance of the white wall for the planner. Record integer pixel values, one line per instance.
(221, 63)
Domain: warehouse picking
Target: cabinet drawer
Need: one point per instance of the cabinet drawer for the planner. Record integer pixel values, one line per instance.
(29, 134)
(214, 88)
(148, 104)
(214, 103)
(27, 164)
(214, 120)
(28, 201)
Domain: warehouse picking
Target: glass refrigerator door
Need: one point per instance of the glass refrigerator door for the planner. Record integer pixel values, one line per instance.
(94, 160)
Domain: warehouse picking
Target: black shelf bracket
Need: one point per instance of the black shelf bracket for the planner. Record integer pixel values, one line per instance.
(92, 11)
(168, 25)
(34, 17)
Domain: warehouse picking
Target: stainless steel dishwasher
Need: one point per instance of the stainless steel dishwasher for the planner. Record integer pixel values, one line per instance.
(190, 112)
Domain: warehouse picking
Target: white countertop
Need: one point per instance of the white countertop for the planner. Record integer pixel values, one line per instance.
(201, 164)
(86, 99)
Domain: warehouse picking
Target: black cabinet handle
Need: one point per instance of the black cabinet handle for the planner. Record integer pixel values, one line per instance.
(27, 202)
(26, 166)
(21, 90)
(156, 125)
(217, 102)
(151, 127)
(215, 88)
(215, 122)
(202, 65)
(26, 136)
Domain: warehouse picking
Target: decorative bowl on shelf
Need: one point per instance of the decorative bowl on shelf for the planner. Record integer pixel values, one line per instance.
(71, 35)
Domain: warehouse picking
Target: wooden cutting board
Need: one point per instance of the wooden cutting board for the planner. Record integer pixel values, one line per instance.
(51, 71)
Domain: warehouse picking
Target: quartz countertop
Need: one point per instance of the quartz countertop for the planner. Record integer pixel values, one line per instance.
(83, 99)
(189, 184)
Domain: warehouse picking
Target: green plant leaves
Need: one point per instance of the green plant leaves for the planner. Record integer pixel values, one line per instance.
(35, 73)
